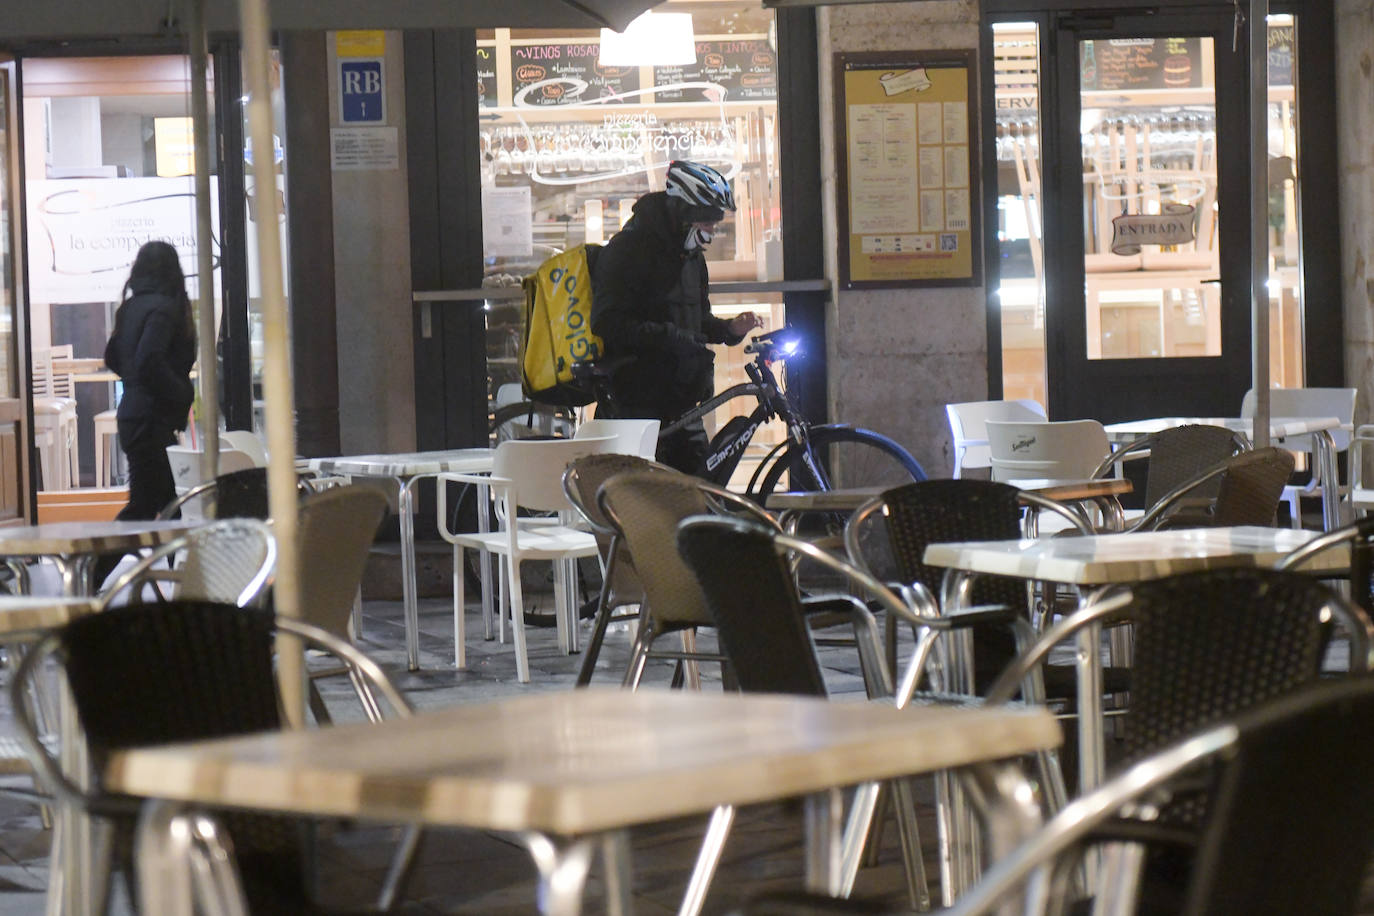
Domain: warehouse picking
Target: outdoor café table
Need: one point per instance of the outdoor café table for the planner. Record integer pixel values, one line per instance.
(24, 618)
(406, 469)
(1318, 429)
(570, 771)
(73, 546)
(1098, 562)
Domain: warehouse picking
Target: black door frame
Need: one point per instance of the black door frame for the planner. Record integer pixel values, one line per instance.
(1318, 203)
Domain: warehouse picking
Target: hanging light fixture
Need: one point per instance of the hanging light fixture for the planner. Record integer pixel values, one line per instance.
(652, 38)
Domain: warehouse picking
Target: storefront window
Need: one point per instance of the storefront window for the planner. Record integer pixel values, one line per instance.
(108, 166)
(1021, 277)
(575, 129)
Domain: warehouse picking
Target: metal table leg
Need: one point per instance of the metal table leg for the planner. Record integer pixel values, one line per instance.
(563, 871)
(824, 823)
(405, 504)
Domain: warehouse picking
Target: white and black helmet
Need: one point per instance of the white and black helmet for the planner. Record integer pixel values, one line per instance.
(699, 185)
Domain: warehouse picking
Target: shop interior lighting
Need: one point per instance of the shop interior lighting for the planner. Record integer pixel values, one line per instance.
(652, 38)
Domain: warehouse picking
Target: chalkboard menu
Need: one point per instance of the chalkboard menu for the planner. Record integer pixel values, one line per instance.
(569, 66)
(486, 78)
(1280, 55)
(1141, 63)
(746, 69)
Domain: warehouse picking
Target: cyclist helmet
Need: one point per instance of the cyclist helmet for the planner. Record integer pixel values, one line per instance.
(700, 186)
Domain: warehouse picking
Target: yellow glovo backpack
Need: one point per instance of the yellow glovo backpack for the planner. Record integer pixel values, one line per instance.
(558, 328)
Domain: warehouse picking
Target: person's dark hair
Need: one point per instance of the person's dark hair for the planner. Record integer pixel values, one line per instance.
(157, 269)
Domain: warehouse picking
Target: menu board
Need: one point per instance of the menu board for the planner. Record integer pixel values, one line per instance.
(569, 74)
(1141, 63)
(908, 198)
(1281, 55)
(486, 77)
(747, 69)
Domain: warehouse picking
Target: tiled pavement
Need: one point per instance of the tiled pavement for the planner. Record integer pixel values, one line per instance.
(472, 872)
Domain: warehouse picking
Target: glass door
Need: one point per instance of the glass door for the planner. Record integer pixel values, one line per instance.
(1147, 289)
(15, 462)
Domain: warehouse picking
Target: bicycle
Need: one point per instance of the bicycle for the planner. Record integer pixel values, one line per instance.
(810, 455)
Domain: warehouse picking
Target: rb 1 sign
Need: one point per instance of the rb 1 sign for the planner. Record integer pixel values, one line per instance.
(362, 92)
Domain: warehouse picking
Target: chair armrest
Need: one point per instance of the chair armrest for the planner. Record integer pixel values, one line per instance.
(498, 484)
(851, 609)
(1173, 498)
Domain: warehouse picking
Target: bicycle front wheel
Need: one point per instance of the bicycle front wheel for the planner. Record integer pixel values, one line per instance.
(847, 456)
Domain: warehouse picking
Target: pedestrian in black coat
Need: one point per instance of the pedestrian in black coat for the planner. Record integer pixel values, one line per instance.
(152, 350)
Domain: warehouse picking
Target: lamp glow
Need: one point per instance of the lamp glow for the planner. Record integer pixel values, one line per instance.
(652, 38)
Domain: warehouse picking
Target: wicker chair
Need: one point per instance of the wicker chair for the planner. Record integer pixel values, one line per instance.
(888, 536)
(1176, 456)
(1300, 761)
(620, 585)
(147, 675)
(1249, 487)
(229, 561)
(1358, 538)
(746, 576)
(645, 508)
(237, 494)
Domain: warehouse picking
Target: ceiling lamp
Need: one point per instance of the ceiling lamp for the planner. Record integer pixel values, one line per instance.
(652, 38)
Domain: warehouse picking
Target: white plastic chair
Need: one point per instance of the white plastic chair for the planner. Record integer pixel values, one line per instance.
(54, 420)
(245, 441)
(1063, 449)
(1308, 402)
(526, 474)
(633, 437)
(185, 462)
(968, 426)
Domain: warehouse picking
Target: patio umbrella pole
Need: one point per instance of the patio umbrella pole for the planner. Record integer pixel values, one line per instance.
(276, 370)
(1259, 215)
(208, 415)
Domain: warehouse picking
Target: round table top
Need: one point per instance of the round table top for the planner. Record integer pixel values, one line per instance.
(57, 539)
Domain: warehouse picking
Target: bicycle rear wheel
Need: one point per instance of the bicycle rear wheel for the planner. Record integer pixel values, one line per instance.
(850, 457)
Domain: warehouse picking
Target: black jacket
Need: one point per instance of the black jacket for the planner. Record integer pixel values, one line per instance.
(152, 351)
(651, 302)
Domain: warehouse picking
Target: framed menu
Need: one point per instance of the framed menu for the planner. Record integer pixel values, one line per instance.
(908, 201)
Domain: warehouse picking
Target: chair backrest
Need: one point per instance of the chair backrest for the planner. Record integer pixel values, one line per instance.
(646, 507)
(335, 532)
(40, 372)
(1302, 761)
(246, 441)
(185, 462)
(238, 494)
(1358, 538)
(1177, 455)
(1068, 449)
(1209, 645)
(1252, 486)
(62, 384)
(752, 597)
(967, 426)
(537, 465)
(1309, 402)
(230, 561)
(933, 511)
(633, 437)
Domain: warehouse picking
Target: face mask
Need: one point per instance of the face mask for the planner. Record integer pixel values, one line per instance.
(697, 238)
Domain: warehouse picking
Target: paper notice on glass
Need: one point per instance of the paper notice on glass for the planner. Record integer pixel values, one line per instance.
(956, 122)
(882, 169)
(932, 167)
(356, 149)
(956, 166)
(932, 211)
(507, 224)
(932, 127)
(904, 81)
(956, 210)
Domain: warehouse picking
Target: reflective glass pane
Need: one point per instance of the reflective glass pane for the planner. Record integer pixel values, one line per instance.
(1149, 149)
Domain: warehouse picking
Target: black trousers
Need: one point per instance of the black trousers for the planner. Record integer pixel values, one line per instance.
(150, 473)
(151, 486)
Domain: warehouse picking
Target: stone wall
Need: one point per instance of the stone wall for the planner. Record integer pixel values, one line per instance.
(1355, 155)
(898, 356)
